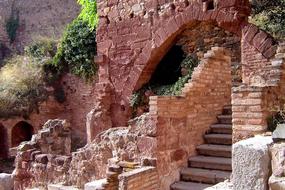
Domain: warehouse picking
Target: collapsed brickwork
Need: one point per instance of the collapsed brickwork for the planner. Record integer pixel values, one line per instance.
(44, 156)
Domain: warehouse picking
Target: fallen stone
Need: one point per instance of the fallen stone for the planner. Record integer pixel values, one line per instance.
(95, 185)
(278, 159)
(251, 163)
(6, 181)
(226, 185)
(277, 183)
(279, 133)
(61, 187)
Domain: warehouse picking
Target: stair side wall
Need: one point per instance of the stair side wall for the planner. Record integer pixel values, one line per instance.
(183, 120)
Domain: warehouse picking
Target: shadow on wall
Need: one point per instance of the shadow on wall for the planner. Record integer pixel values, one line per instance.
(21, 132)
(3, 142)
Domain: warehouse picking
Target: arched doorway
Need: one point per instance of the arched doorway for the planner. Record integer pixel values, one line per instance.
(22, 131)
(3, 142)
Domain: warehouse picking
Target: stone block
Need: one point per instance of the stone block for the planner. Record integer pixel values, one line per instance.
(6, 181)
(276, 183)
(278, 159)
(95, 185)
(251, 163)
(279, 133)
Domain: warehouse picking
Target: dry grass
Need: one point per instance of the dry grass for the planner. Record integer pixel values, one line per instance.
(21, 86)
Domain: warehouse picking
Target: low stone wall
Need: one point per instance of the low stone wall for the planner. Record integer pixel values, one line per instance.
(139, 179)
(181, 121)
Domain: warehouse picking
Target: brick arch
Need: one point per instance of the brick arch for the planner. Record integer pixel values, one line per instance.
(3, 142)
(130, 45)
(22, 131)
(229, 15)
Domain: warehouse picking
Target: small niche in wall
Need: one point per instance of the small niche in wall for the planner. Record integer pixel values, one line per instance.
(208, 5)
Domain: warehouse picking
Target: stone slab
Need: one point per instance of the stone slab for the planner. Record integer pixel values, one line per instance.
(251, 163)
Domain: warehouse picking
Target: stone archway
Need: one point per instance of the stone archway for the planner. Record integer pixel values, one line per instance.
(135, 44)
(22, 131)
(3, 142)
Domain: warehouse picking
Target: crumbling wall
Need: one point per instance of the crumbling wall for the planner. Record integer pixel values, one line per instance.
(80, 98)
(182, 120)
(253, 103)
(133, 37)
(44, 158)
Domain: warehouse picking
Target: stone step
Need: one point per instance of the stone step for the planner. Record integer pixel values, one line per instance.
(210, 162)
(204, 175)
(215, 150)
(223, 139)
(61, 187)
(222, 128)
(95, 185)
(225, 119)
(181, 185)
(227, 110)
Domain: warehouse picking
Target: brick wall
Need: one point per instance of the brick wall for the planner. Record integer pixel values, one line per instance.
(139, 179)
(135, 35)
(255, 101)
(181, 121)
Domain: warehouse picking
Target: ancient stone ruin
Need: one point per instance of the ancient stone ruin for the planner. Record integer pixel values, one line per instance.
(213, 132)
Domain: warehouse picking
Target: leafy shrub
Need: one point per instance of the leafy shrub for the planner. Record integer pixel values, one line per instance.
(12, 24)
(42, 47)
(269, 15)
(22, 86)
(77, 49)
(139, 99)
(89, 12)
(278, 117)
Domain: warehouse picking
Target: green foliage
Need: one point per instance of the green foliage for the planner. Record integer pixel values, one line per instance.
(89, 12)
(12, 24)
(139, 99)
(42, 47)
(269, 15)
(278, 117)
(77, 49)
(22, 86)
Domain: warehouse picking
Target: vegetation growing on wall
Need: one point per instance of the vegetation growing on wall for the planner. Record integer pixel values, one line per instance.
(24, 79)
(278, 117)
(139, 100)
(22, 86)
(269, 15)
(89, 12)
(77, 49)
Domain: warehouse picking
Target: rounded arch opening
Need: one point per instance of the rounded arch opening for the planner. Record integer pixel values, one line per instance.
(3, 142)
(21, 132)
(178, 56)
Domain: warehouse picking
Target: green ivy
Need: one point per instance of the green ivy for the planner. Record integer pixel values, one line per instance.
(77, 50)
(89, 12)
(269, 15)
(138, 98)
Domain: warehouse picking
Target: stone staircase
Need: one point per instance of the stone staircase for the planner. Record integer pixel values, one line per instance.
(213, 162)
